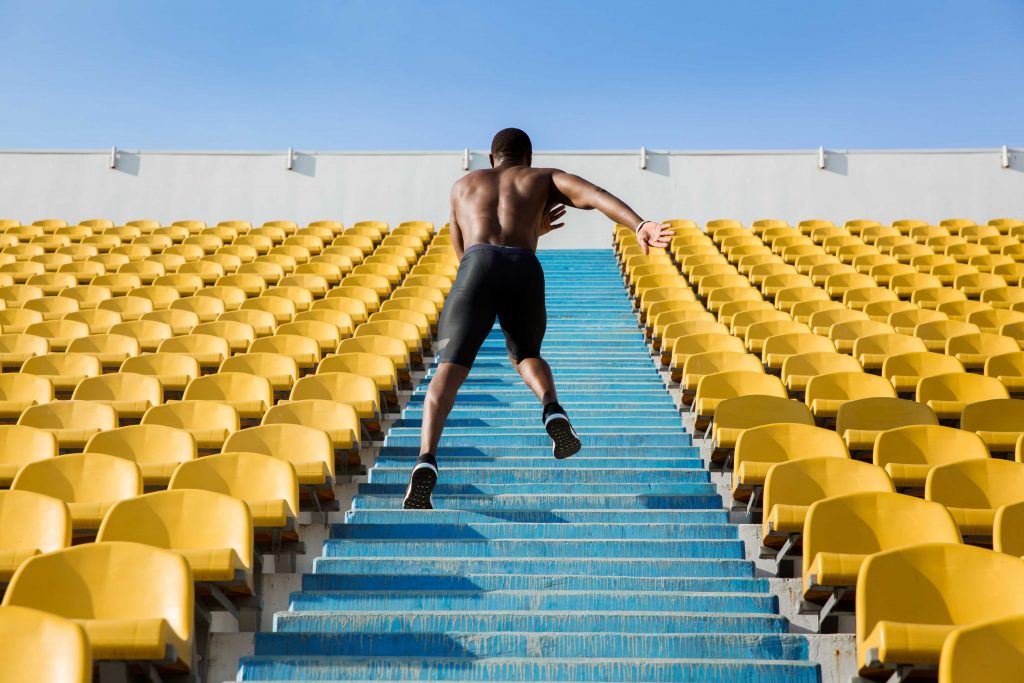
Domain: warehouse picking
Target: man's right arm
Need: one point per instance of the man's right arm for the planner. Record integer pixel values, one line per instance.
(582, 194)
(453, 228)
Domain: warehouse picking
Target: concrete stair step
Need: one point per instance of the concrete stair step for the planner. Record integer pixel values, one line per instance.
(590, 548)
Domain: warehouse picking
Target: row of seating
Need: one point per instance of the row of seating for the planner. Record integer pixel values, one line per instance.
(886, 538)
(234, 430)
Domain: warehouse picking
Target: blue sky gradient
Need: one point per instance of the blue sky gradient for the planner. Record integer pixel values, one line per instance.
(577, 74)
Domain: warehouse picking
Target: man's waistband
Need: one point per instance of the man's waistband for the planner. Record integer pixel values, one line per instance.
(512, 251)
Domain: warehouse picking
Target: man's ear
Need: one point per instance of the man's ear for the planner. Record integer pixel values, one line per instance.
(490, 157)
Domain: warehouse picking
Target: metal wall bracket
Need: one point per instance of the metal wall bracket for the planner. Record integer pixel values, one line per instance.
(113, 157)
(465, 159)
(290, 162)
(821, 158)
(643, 158)
(1005, 157)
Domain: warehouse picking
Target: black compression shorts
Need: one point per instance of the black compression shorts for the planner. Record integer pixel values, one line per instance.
(506, 283)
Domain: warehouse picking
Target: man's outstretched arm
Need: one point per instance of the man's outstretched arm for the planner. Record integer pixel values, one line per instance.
(583, 194)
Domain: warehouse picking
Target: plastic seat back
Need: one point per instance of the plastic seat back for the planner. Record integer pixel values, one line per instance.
(147, 445)
(235, 387)
(25, 633)
(297, 444)
(81, 478)
(111, 581)
(772, 443)
(995, 647)
(252, 477)
(196, 416)
(882, 413)
(980, 483)
(120, 387)
(32, 523)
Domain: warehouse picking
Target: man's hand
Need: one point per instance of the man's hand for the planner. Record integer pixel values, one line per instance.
(654, 235)
(547, 221)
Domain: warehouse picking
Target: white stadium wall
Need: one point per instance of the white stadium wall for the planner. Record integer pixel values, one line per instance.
(396, 186)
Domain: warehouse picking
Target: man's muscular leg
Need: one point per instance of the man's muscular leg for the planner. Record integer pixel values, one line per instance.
(537, 374)
(438, 403)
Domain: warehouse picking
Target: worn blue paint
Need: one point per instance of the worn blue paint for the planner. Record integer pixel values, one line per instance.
(618, 564)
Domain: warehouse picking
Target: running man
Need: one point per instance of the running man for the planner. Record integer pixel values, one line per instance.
(497, 216)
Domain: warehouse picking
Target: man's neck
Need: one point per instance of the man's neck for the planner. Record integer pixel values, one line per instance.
(509, 163)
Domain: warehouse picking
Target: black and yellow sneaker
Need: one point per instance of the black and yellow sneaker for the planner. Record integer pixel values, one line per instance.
(421, 484)
(565, 440)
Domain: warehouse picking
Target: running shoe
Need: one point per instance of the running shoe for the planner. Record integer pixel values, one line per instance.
(565, 440)
(421, 484)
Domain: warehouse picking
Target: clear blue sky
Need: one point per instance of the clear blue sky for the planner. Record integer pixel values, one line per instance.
(577, 74)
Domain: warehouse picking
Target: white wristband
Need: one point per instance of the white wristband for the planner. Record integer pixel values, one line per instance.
(642, 224)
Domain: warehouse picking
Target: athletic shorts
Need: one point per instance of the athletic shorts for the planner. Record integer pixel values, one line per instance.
(503, 283)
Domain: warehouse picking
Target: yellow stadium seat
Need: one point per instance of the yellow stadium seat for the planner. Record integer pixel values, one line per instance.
(938, 332)
(99, 321)
(910, 599)
(415, 318)
(827, 393)
(684, 347)
(308, 449)
(757, 333)
(905, 370)
(781, 346)
(1008, 368)
(973, 489)
(129, 307)
(280, 370)
(20, 445)
(305, 351)
(205, 308)
(341, 321)
(88, 482)
(792, 486)
(174, 370)
(64, 370)
(59, 333)
(975, 348)
(962, 309)
(909, 453)
(736, 415)
(156, 449)
(108, 589)
(110, 349)
(740, 320)
(282, 308)
(998, 321)
(262, 322)
(707, 363)
(207, 271)
(17, 348)
(759, 448)
(712, 390)
(26, 635)
(344, 387)
(30, 524)
(355, 308)
(994, 647)
(999, 422)
(19, 391)
(882, 311)
(821, 322)
(339, 421)
(250, 395)
(209, 422)
(130, 395)
(239, 335)
(872, 351)
(905, 321)
(208, 349)
(798, 369)
(326, 335)
(269, 486)
(786, 299)
(381, 369)
(212, 531)
(949, 394)
(840, 533)
(396, 329)
(14, 321)
(860, 421)
(52, 307)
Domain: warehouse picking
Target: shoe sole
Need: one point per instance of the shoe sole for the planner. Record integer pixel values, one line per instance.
(421, 485)
(566, 443)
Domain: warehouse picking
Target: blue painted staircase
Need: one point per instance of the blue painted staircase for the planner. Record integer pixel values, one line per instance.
(618, 564)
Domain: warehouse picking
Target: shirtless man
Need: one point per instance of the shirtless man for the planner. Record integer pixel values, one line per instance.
(497, 216)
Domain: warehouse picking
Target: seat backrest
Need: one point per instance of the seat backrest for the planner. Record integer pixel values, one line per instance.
(739, 383)
(960, 386)
(984, 483)
(109, 581)
(120, 386)
(995, 415)
(881, 413)
(796, 342)
(335, 386)
(263, 364)
(889, 344)
(927, 445)
(197, 344)
(1005, 365)
(819, 363)
(292, 345)
(33, 521)
(75, 415)
(292, 442)
(936, 583)
(366, 364)
(316, 413)
(806, 480)
(20, 444)
(24, 388)
(145, 444)
(75, 364)
(162, 364)
(182, 519)
(25, 632)
(783, 442)
(869, 522)
(251, 477)
(194, 415)
(744, 412)
(230, 386)
(848, 386)
(982, 343)
(81, 478)
(920, 364)
(710, 362)
(394, 349)
(992, 646)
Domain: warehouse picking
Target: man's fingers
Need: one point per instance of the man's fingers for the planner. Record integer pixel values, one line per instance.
(555, 226)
